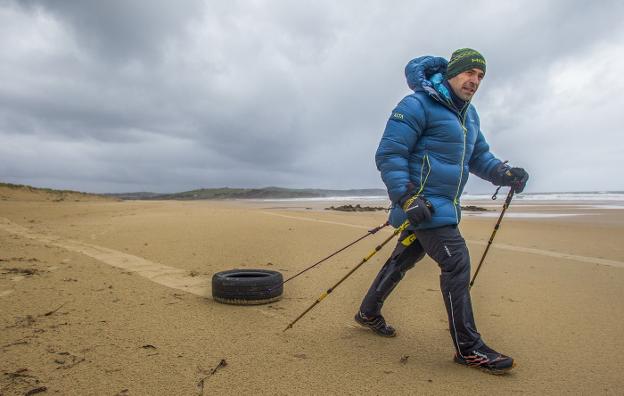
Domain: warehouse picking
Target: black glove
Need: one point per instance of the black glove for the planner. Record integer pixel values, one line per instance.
(507, 176)
(417, 208)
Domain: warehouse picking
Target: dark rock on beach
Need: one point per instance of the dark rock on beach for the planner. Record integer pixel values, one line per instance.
(472, 208)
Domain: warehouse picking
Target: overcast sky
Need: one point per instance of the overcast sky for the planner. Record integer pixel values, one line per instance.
(164, 96)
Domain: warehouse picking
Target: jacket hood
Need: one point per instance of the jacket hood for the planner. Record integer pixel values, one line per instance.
(419, 72)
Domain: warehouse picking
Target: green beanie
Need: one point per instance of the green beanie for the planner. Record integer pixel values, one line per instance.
(464, 59)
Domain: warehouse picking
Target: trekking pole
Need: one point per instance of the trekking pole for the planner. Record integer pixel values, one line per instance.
(370, 232)
(365, 259)
(505, 206)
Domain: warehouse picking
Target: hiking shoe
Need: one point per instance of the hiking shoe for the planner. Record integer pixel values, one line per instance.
(376, 323)
(486, 359)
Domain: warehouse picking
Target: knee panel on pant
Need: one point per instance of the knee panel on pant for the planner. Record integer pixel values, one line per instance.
(391, 276)
(453, 259)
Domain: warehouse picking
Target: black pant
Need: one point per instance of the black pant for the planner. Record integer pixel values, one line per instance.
(447, 247)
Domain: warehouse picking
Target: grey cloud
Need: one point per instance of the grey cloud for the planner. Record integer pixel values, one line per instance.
(164, 96)
(118, 29)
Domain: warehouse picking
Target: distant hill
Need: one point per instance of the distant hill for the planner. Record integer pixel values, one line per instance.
(20, 192)
(251, 193)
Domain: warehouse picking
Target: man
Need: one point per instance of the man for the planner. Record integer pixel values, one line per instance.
(431, 142)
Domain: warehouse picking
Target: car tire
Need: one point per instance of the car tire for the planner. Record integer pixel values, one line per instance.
(247, 286)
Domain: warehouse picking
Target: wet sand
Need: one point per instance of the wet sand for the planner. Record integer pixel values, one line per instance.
(103, 297)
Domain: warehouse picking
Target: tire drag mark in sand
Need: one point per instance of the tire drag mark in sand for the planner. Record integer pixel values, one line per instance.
(172, 277)
(502, 246)
(550, 253)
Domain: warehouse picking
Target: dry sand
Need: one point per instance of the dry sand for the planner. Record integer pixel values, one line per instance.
(107, 298)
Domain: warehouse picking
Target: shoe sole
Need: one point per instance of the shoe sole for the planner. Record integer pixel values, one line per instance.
(489, 370)
(375, 330)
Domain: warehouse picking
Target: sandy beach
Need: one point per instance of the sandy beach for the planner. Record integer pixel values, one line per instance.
(104, 297)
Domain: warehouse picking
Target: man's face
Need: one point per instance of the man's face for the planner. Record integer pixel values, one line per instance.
(465, 84)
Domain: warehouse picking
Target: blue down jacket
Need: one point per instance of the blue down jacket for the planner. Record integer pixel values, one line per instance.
(430, 147)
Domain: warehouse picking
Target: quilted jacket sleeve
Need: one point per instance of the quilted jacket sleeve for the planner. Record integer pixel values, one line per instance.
(483, 162)
(403, 130)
